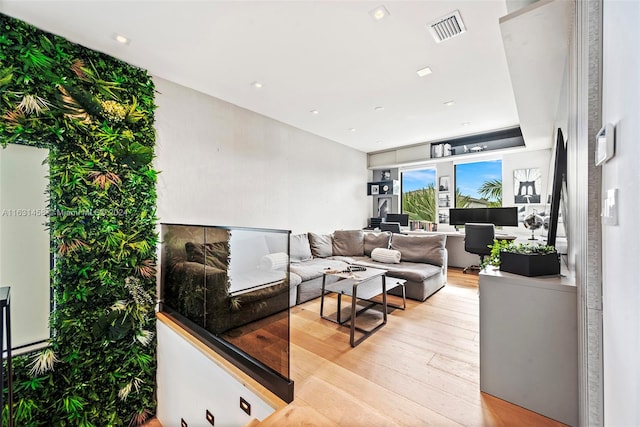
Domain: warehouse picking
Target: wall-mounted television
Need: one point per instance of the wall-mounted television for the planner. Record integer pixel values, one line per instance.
(403, 219)
(495, 216)
(558, 189)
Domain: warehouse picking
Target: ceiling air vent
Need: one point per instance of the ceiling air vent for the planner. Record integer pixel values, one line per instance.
(447, 27)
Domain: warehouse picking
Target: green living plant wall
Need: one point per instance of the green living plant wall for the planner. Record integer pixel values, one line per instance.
(95, 114)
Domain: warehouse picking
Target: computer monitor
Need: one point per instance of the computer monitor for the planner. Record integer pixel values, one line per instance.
(495, 216)
(403, 219)
(393, 227)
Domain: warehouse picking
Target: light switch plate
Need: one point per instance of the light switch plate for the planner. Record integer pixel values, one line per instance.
(610, 207)
(605, 144)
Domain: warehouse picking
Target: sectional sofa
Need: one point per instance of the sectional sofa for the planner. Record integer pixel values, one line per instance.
(420, 260)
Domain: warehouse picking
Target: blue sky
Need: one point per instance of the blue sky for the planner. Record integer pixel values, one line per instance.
(417, 179)
(469, 177)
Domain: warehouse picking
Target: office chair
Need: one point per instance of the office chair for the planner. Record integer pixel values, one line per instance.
(477, 238)
(393, 227)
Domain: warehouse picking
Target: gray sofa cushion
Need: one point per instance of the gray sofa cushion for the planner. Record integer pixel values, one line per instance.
(313, 268)
(321, 245)
(376, 240)
(427, 249)
(348, 243)
(300, 249)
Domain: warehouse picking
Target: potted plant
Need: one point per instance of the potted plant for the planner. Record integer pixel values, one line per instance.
(524, 258)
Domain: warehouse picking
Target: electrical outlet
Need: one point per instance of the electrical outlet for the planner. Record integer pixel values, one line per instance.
(183, 423)
(210, 418)
(245, 406)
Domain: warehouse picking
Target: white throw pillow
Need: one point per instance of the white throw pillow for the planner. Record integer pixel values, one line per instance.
(275, 261)
(388, 256)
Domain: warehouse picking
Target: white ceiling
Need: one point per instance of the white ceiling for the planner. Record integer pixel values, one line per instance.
(331, 56)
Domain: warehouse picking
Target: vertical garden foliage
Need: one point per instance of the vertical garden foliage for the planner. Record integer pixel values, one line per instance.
(95, 114)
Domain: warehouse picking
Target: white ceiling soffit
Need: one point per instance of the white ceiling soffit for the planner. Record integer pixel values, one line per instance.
(536, 43)
(329, 56)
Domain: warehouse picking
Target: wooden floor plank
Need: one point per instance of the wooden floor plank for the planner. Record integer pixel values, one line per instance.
(422, 368)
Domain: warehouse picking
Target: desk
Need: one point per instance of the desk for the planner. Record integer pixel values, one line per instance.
(457, 256)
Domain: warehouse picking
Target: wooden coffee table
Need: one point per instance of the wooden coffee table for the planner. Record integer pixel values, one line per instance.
(359, 285)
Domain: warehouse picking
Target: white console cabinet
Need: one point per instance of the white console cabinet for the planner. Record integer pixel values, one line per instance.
(529, 343)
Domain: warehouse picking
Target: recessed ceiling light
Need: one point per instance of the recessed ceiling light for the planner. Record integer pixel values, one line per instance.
(379, 108)
(449, 103)
(314, 112)
(257, 85)
(379, 13)
(466, 123)
(352, 129)
(424, 71)
(121, 39)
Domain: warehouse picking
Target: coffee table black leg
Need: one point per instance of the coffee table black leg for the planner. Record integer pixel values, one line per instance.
(354, 299)
(384, 299)
(324, 279)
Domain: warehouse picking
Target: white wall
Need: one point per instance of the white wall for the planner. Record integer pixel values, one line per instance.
(189, 384)
(621, 243)
(24, 241)
(224, 165)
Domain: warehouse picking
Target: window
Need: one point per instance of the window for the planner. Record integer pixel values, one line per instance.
(419, 194)
(478, 184)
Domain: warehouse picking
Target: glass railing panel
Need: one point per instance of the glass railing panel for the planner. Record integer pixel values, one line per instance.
(232, 284)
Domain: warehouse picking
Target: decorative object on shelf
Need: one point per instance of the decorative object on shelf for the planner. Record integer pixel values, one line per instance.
(525, 259)
(437, 150)
(386, 175)
(533, 221)
(469, 145)
(441, 150)
(526, 185)
(383, 187)
(443, 183)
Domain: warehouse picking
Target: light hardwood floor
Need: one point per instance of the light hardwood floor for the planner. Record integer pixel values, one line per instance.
(421, 369)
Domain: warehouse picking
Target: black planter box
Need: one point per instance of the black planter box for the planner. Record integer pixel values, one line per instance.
(530, 264)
